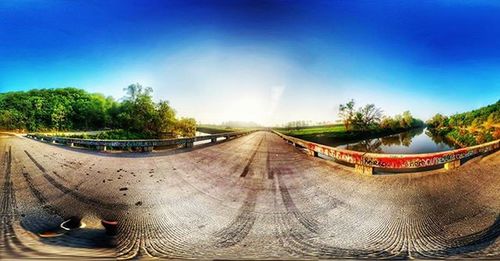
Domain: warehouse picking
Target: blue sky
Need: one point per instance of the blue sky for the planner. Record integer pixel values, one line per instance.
(263, 61)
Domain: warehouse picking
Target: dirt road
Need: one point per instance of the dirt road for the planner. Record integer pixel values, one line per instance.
(251, 197)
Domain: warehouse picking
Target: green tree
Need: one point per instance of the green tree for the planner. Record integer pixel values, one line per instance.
(469, 128)
(437, 121)
(186, 127)
(386, 123)
(58, 116)
(137, 112)
(135, 91)
(347, 113)
(407, 120)
(165, 121)
(367, 117)
(11, 120)
(137, 115)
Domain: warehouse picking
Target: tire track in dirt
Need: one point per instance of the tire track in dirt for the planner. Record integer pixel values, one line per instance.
(241, 225)
(407, 223)
(44, 202)
(10, 242)
(247, 167)
(307, 221)
(239, 228)
(80, 197)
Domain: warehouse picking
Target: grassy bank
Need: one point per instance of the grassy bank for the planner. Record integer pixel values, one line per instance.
(312, 130)
(465, 138)
(469, 128)
(337, 134)
(216, 129)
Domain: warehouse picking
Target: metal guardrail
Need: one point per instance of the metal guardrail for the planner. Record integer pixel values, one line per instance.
(143, 145)
(364, 162)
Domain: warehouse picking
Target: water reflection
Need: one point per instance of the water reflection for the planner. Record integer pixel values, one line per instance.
(413, 141)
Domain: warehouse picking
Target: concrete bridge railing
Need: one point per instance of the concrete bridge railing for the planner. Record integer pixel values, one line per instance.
(139, 145)
(365, 162)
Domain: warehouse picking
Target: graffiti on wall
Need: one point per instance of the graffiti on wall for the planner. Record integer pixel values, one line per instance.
(425, 160)
(396, 161)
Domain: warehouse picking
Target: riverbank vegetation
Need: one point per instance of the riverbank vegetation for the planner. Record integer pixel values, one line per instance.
(228, 126)
(313, 130)
(223, 128)
(468, 128)
(103, 135)
(361, 123)
(369, 118)
(215, 129)
(68, 109)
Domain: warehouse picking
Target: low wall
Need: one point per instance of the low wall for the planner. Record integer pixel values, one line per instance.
(364, 162)
(141, 145)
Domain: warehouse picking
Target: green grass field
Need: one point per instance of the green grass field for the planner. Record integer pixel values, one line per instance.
(335, 134)
(311, 130)
(215, 129)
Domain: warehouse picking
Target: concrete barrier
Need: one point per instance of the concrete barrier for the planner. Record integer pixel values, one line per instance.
(365, 162)
(137, 145)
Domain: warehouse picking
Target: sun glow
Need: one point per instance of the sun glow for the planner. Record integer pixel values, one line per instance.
(223, 86)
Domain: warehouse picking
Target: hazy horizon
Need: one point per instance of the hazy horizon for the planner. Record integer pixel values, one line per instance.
(268, 62)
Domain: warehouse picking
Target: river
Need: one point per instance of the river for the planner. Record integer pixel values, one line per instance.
(413, 141)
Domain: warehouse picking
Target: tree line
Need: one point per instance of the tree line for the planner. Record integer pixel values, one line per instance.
(369, 117)
(75, 109)
(469, 128)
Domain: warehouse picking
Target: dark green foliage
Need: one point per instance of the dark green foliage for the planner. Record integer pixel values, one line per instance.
(112, 135)
(401, 122)
(137, 116)
(55, 109)
(138, 112)
(467, 139)
(437, 122)
(469, 128)
(369, 119)
(480, 115)
(185, 127)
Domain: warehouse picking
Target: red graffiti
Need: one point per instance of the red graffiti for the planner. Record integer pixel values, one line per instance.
(396, 161)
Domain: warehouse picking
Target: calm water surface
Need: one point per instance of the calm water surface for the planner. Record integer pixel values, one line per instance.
(412, 141)
(199, 133)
